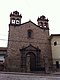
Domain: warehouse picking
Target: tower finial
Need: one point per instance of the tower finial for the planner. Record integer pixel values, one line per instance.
(43, 22)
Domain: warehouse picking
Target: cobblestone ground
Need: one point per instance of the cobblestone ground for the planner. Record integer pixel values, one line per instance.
(26, 77)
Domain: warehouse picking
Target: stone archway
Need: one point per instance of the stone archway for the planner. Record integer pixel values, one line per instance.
(30, 58)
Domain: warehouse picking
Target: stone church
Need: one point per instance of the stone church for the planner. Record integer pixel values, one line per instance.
(29, 47)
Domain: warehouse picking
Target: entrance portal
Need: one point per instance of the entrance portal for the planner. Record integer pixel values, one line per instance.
(30, 59)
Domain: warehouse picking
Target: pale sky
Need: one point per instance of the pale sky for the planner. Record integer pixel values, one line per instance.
(30, 10)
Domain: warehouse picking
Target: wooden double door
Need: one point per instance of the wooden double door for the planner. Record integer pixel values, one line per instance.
(30, 62)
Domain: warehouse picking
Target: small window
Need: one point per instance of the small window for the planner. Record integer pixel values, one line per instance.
(57, 64)
(55, 43)
(30, 33)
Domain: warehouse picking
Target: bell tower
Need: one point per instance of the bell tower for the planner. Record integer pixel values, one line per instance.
(15, 18)
(43, 22)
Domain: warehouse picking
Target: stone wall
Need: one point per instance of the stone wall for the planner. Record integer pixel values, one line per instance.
(18, 38)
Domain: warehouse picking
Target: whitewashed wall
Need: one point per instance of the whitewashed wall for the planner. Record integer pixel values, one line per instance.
(55, 49)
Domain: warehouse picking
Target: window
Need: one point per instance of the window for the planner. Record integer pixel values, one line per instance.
(1, 58)
(55, 43)
(57, 64)
(30, 33)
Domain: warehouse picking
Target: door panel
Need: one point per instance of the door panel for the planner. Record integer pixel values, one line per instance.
(32, 61)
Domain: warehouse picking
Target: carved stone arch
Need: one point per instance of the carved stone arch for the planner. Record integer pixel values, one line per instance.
(30, 58)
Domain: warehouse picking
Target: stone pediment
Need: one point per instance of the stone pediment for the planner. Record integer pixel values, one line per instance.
(30, 22)
(30, 47)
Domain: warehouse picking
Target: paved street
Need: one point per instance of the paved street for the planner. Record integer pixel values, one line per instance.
(9, 76)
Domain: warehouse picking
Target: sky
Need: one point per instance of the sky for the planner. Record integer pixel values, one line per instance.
(30, 10)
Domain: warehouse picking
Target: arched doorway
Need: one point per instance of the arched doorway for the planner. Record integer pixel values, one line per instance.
(30, 61)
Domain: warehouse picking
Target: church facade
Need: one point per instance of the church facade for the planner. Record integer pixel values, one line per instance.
(29, 46)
